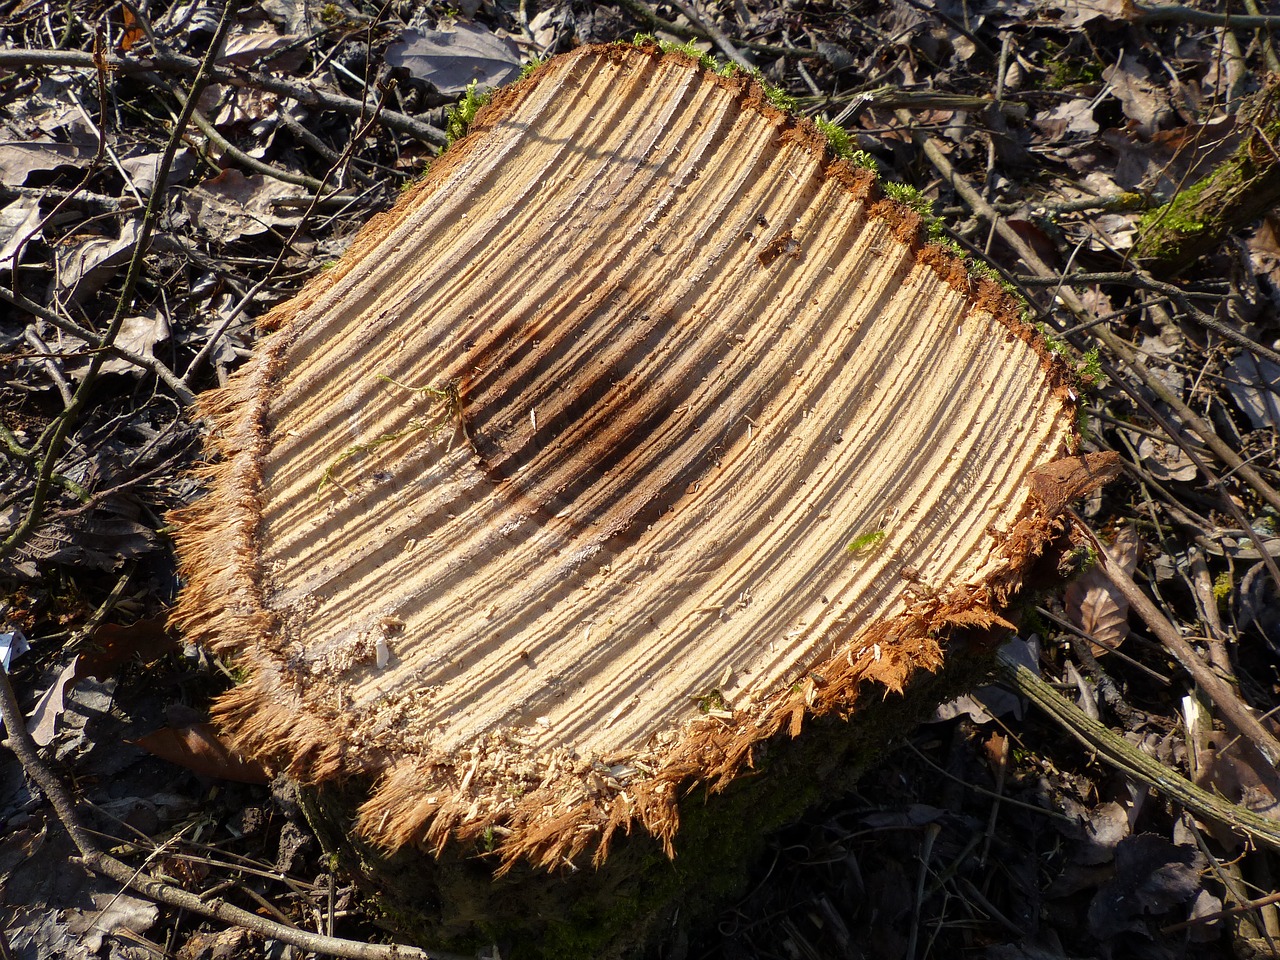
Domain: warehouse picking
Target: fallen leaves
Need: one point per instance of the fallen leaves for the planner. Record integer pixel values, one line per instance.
(1095, 605)
(455, 56)
(199, 748)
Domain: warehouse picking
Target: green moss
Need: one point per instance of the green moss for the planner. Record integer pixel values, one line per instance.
(1176, 215)
(837, 136)
(984, 270)
(1083, 423)
(1067, 71)
(448, 407)
(866, 542)
(1089, 369)
(1223, 586)
(1053, 343)
(532, 67)
(464, 112)
(908, 195)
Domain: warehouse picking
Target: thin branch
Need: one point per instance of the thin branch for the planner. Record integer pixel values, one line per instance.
(19, 741)
(1133, 762)
(1218, 690)
(716, 34)
(305, 94)
(1202, 18)
(156, 366)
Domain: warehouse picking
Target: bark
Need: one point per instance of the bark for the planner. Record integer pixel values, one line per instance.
(1243, 189)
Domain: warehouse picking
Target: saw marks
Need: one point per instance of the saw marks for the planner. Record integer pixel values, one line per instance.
(635, 413)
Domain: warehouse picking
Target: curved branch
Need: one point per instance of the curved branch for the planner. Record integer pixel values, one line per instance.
(233, 76)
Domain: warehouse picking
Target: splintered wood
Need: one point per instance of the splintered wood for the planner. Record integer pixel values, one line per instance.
(639, 432)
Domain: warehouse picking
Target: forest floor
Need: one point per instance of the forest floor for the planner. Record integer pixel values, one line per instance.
(999, 830)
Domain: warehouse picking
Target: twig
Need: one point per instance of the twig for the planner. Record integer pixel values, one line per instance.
(234, 76)
(1133, 762)
(1201, 18)
(20, 742)
(62, 426)
(1077, 308)
(926, 854)
(74, 196)
(244, 159)
(715, 33)
(1218, 690)
(1235, 911)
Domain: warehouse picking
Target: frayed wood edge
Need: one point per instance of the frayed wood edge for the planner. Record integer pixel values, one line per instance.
(424, 804)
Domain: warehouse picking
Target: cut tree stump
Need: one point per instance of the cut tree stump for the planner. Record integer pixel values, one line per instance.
(612, 500)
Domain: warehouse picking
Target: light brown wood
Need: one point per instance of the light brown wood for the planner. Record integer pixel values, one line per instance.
(639, 432)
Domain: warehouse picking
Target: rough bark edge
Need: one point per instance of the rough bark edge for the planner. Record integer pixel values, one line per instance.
(266, 717)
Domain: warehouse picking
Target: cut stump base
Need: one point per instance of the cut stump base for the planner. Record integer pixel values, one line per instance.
(643, 436)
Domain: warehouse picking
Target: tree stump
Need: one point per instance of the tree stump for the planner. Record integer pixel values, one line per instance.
(593, 510)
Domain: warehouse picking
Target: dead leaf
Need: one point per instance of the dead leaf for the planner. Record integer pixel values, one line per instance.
(112, 912)
(216, 945)
(1073, 118)
(992, 700)
(86, 265)
(139, 335)
(1095, 605)
(255, 40)
(144, 168)
(198, 747)
(19, 224)
(453, 57)
(131, 33)
(1255, 387)
(1152, 876)
(19, 159)
(233, 205)
(43, 725)
(1142, 101)
(111, 647)
(1076, 13)
(1165, 461)
(114, 645)
(1106, 825)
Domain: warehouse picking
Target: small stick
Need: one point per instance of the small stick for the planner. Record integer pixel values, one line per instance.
(1218, 690)
(716, 34)
(20, 742)
(1127, 758)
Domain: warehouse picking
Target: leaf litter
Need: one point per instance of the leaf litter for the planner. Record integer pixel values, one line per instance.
(1055, 853)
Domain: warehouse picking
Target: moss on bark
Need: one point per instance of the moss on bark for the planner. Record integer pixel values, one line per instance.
(1240, 191)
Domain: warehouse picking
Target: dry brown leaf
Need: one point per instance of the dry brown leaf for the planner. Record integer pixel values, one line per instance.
(1093, 602)
(198, 748)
